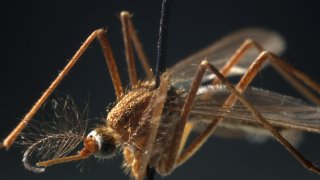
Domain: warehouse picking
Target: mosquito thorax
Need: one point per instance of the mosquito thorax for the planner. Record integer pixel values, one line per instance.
(106, 144)
(125, 116)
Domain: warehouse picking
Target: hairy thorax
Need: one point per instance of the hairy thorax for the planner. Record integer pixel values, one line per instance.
(124, 117)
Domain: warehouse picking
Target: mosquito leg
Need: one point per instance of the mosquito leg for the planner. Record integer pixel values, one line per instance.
(186, 132)
(138, 47)
(202, 138)
(256, 65)
(291, 75)
(188, 152)
(124, 16)
(9, 140)
(168, 164)
(286, 71)
(236, 57)
(236, 94)
(162, 167)
(130, 36)
(141, 159)
(112, 67)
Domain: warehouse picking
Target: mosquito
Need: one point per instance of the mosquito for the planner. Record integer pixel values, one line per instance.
(150, 123)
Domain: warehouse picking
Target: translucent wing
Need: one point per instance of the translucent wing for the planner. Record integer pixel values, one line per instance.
(281, 111)
(219, 53)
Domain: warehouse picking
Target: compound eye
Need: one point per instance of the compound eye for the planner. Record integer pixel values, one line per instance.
(106, 143)
(108, 147)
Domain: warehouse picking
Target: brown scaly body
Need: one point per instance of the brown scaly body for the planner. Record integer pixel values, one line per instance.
(129, 122)
(124, 116)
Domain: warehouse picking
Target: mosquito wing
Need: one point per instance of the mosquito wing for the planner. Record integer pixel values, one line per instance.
(219, 53)
(279, 110)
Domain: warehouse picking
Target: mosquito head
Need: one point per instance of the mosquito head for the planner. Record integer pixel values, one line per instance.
(101, 145)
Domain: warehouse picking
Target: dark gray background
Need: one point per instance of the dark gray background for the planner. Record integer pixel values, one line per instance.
(38, 37)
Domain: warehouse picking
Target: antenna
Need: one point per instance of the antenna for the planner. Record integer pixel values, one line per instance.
(163, 41)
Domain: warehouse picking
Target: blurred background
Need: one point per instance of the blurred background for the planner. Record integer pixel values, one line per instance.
(38, 37)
